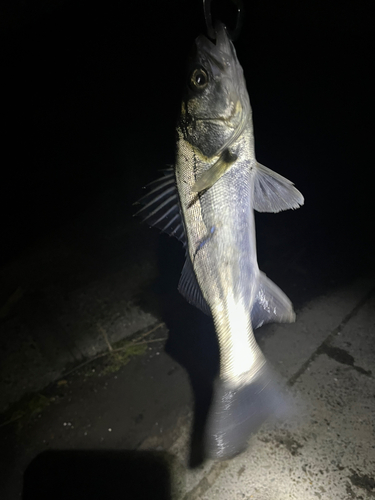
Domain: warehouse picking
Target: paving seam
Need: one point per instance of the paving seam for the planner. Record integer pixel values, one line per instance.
(326, 343)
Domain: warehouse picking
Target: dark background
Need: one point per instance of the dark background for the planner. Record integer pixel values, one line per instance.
(90, 96)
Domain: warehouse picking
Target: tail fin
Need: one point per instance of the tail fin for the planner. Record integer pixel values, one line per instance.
(237, 412)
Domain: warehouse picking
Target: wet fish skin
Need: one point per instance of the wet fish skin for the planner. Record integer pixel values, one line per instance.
(215, 151)
(214, 120)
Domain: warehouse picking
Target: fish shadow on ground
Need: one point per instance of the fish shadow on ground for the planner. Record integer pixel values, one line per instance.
(94, 474)
(192, 343)
(192, 340)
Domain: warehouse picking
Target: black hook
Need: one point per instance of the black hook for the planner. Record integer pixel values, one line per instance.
(233, 35)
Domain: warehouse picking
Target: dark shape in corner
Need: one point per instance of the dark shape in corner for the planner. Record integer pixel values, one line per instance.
(84, 475)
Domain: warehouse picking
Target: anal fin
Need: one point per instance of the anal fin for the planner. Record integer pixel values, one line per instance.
(271, 304)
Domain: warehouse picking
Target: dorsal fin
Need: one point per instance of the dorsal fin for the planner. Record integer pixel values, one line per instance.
(189, 288)
(161, 206)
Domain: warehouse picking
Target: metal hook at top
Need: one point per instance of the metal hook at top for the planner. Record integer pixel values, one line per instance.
(233, 35)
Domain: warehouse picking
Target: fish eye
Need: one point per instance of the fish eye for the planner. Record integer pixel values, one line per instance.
(198, 80)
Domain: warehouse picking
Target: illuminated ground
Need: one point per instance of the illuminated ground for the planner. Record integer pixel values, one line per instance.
(123, 422)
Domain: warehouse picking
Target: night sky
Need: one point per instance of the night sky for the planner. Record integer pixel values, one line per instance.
(90, 97)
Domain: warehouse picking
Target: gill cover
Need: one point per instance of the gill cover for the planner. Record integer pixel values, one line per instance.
(216, 105)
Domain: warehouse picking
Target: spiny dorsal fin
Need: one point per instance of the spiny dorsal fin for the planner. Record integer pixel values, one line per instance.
(273, 192)
(161, 206)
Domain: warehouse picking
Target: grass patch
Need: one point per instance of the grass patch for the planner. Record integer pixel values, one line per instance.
(117, 360)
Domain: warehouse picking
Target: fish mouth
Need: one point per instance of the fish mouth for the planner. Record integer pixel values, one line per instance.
(228, 120)
(236, 125)
(216, 51)
(223, 63)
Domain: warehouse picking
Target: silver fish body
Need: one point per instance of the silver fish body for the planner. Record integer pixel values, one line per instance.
(219, 183)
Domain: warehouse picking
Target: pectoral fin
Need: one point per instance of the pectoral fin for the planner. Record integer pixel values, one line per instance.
(213, 174)
(273, 192)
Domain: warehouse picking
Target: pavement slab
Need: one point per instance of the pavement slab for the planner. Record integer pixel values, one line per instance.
(327, 448)
(323, 448)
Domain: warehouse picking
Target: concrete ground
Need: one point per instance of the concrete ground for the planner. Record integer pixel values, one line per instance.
(127, 415)
(106, 372)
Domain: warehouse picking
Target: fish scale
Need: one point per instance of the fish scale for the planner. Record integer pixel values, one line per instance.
(226, 267)
(207, 201)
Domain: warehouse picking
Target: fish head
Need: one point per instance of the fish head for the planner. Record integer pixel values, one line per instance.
(216, 106)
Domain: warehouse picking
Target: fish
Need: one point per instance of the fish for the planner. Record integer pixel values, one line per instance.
(207, 201)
